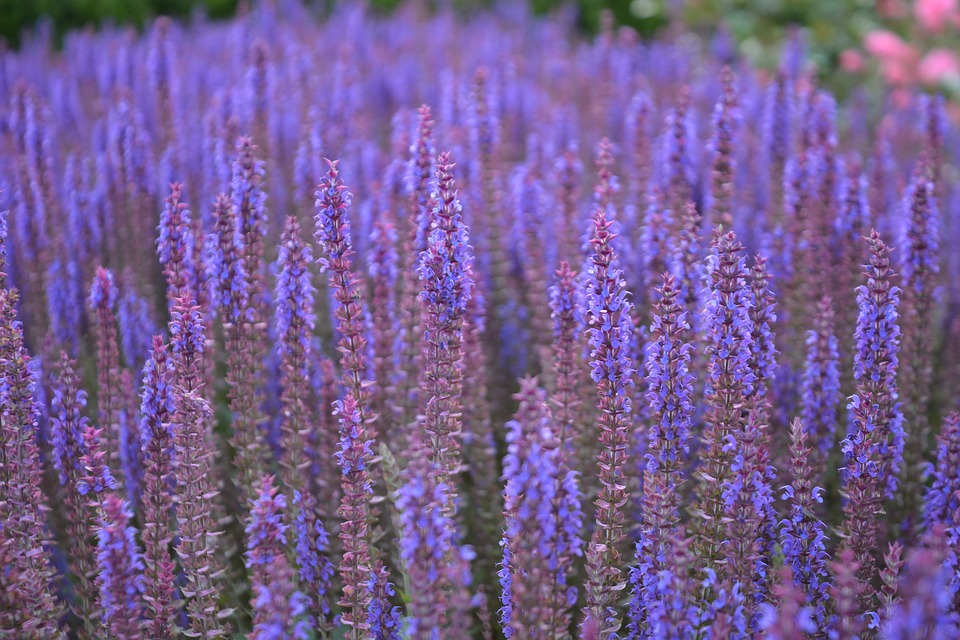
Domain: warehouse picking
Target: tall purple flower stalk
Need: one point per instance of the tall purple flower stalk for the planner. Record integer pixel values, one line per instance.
(175, 247)
(103, 301)
(942, 503)
(612, 369)
(197, 514)
(120, 571)
(568, 327)
(725, 127)
(925, 609)
(29, 604)
(787, 617)
(294, 328)
(445, 274)
(278, 607)
(669, 387)
(226, 267)
(157, 441)
(730, 381)
(67, 427)
(846, 593)
(542, 523)
(243, 287)
(3, 249)
(803, 535)
(820, 392)
(921, 268)
(333, 235)
(358, 562)
(874, 447)
(413, 229)
(435, 564)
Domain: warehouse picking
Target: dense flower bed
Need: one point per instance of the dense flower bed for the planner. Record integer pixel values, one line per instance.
(598, 339)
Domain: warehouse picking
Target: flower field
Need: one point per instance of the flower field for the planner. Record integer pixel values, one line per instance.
(442, 326)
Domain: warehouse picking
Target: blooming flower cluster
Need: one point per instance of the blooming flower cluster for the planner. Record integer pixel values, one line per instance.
(587, 381)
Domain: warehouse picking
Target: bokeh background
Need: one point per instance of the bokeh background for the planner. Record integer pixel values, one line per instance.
(897, 44)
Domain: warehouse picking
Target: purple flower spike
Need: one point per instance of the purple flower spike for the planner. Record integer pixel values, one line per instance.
(446, 277)
(333, 235)
(196, 482)
(27, 571)
(68, 427)
(226, 268)
(542, 523)
(921, 269)
(157, 434)
(103, 304)
(175, 246)
(726, 320)
(657, 590)
(803, 535)
(612, 369)
(294, 328)
(820, 394)
(436, 565)
(278, 607)
(726, 122)
(925, 609)
(120, 571)
(355, 457)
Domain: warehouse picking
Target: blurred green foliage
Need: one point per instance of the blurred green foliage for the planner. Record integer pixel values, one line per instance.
(759, 27)
(16, 16)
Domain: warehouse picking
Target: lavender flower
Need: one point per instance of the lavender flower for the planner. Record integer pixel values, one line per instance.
(278, 607)
(542, 523)
(802, 534)
(874, 447)
(333, 235)
(789, 619)
(175, 247)
(157, 434)
(612, 369)
(921, 268)
(730, 381)
(669, 389)
(354, 457)
(725, 125)
(120, 571)
(103, 300)
(196, 492)
(820, 393)
(226, 264)
(926, 606)
(445, 275)
(31, 606)
(67, 436)
(433, 561)
(294, 326)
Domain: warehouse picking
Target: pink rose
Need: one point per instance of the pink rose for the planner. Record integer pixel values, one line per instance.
(933, 15)
(938, 64)
(851, 61)
(888, 46)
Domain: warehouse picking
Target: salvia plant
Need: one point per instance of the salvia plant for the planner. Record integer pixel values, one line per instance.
(604, 339)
